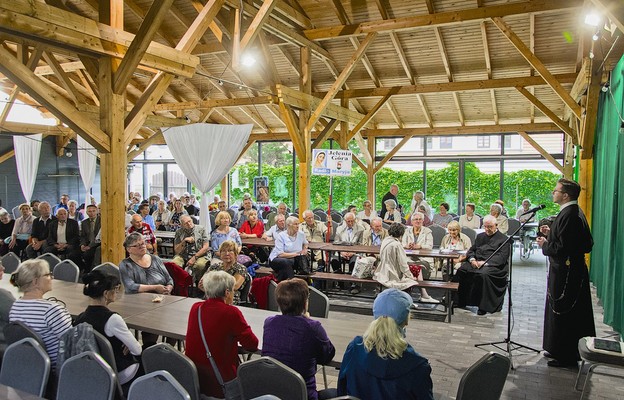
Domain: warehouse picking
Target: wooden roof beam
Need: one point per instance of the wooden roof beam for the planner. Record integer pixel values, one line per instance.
(67, 30)
(161, 81)
(447, 87)
(30, 64)
(368, 116)
(7, 156)
(488, 68)
(140, 43)
(541, 150)
(304, 101)
(346, 72)
(32, 129)
(217, 103)
(538, 65)
(462, 130)
(63, 78)
(63, 110)
(391, 154)
(547, 112)
(441, 19)
(256, 24)
(325, 133)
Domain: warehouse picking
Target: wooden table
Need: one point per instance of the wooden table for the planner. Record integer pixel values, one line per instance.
(164, 234)
(271, 243)
(170, 317)
(172, 321)
(76, 302)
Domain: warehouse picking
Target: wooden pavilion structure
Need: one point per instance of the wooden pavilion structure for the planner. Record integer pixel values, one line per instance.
(117, 72)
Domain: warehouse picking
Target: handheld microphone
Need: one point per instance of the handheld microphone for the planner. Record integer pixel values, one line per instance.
(535, 209)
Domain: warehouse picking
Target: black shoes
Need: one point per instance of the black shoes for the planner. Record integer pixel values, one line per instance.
(562, 364)
(481, 312)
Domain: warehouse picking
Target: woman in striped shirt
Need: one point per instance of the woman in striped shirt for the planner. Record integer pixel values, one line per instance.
(49, 319)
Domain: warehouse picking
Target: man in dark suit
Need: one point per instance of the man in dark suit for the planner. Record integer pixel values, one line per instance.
(569, 315)
(392, 194)
(64, 237)
(481, 283)
(89, 245)
(40, 230)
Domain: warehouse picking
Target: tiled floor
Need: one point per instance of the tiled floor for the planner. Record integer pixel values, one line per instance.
(450, 347)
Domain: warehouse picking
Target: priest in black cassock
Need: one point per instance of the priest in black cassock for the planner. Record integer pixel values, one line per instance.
(483, 284)
(569, 314)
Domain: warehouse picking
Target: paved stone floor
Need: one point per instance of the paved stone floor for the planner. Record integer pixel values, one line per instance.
(450, 347)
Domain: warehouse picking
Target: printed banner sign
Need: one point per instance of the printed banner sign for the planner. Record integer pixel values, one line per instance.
(331, 162)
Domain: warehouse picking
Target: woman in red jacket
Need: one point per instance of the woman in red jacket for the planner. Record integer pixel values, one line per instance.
(224, 328)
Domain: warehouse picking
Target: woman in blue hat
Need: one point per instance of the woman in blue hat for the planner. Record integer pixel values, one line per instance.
(381, 364)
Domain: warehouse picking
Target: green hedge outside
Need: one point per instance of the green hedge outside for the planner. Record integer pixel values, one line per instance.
(482, 188)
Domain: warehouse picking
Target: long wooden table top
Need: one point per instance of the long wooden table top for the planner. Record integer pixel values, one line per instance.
(76, 302)
(170, 317)
(172, 321)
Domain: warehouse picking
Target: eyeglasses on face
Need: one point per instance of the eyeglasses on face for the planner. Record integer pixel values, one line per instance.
(142, 244)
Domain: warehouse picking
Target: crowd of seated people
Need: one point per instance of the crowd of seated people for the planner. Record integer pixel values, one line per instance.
(212, 258)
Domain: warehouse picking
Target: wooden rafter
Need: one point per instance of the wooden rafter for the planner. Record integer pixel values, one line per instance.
(30, 83)
(447, 87)
(441, 19)
(467, 130)
(547, 112)
(488, 68)
(256, 24)
(70, 31)
(392, 152)
(7, 156)
(541, 150)
(304, 101)
(325, 133)
(538, 65)
(62, 76)
(161, 81)
(341, 79)
(140, 43)
(30, 64)
(368, 116)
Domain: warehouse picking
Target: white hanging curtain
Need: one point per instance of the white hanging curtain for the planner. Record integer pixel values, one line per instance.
(205, 153)
(87, 161)
(27, 151)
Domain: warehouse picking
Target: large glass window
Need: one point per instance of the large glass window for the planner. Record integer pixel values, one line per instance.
(482, 184)
(442, 184)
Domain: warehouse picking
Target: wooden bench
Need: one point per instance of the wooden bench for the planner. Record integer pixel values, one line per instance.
(448, 287)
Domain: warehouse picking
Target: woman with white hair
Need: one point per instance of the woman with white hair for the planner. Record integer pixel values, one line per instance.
(288, 245)
(48, 318)
(223, 327)
(392, 214)
(381, 364)
(496, 210)
(161, 216)
(418, 200)
(72, 211)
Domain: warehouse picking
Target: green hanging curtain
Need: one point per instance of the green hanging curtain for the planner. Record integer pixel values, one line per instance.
(607, 257)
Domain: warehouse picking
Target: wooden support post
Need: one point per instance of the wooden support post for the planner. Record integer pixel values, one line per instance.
(113, 164)
(224, 189)
(586, 173)
(305, 86)
(370, 172)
